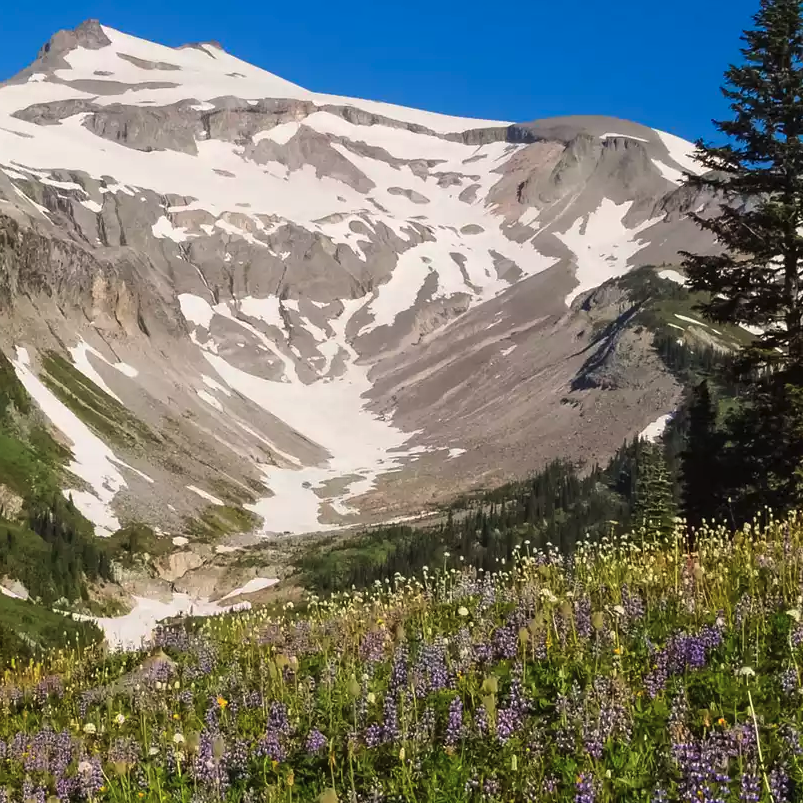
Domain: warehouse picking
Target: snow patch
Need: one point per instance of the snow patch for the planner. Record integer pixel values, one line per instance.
(93, 461)
(256, 584)
(622, 136)
(602, 245)
(280, 134)
(196, 309)
(681, 151)
(669, 173)
(691, 320)
(164, 229)
(204, 495)
(209, 399)
(129, 632)
(673, 276)
(654, 431)
(210, 383)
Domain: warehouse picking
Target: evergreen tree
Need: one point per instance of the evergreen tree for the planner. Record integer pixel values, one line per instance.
(758, 176)
(654, 503)
(701, 467)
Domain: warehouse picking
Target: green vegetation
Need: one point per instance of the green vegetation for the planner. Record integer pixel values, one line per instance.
(756, 281)
(136, 540)
(216, 521)
(47, 545)
(29, 632)
(94, 406)
(632, 672)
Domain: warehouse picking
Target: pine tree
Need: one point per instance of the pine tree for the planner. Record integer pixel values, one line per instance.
(654, 503)
(701, 468)
(758, 176)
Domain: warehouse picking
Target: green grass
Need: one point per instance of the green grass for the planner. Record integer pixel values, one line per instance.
(93, 405)
(216, 521)
(663, 300)
(136, 540)
(28, 631)
(632, 671)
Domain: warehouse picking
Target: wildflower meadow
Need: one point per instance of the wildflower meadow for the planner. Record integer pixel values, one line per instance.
(634, 670)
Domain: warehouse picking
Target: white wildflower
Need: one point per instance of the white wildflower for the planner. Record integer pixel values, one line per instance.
(90, 729)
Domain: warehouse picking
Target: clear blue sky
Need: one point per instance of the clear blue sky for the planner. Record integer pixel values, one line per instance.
(656, 63)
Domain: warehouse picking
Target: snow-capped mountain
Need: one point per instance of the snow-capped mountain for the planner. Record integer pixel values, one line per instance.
(317, 307)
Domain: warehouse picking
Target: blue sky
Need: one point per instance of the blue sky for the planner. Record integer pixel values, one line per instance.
(656, 63)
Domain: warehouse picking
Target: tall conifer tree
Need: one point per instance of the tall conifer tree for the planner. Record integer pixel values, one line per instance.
(654, 503)
(701, 460)
(756, 281)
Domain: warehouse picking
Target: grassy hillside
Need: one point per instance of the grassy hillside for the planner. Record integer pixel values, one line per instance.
(45, 542)
(29, 632)
(633, 671)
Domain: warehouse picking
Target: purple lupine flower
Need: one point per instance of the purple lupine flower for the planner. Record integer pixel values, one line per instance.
(31, 792)
(425, 727)
(316, 742)
(481, 720)
(37, 754)
(17, 747)
(506, 642)
(390, 720)
(749, 788)
(51, 685)
(90, 776)
(584, 789)
(565, 740)
(483, 653)
(399, 670)
(270, 747)
(124, 751)
(66, 788)
(432, 665)
(582, 616)
(788, 681)
(593, 741)
(682, 652)
(236, 759)
(253, 699)
(373, 736)
(454, 727)
(779, 784)
(634, 606)
(372, 646)
(208, 768)
(278, 720)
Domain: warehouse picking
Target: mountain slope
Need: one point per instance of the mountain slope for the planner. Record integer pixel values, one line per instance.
(241, 299)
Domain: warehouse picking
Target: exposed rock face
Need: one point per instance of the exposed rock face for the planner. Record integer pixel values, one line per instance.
(318, 307)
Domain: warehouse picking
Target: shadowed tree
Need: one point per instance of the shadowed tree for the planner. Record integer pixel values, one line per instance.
(755, 281)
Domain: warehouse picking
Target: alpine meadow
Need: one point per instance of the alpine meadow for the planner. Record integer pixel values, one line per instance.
(354, 453)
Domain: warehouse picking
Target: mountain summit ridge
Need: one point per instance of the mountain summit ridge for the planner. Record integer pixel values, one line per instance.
(304, 309)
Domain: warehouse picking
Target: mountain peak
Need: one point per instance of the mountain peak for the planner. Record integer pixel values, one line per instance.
(89, 34)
